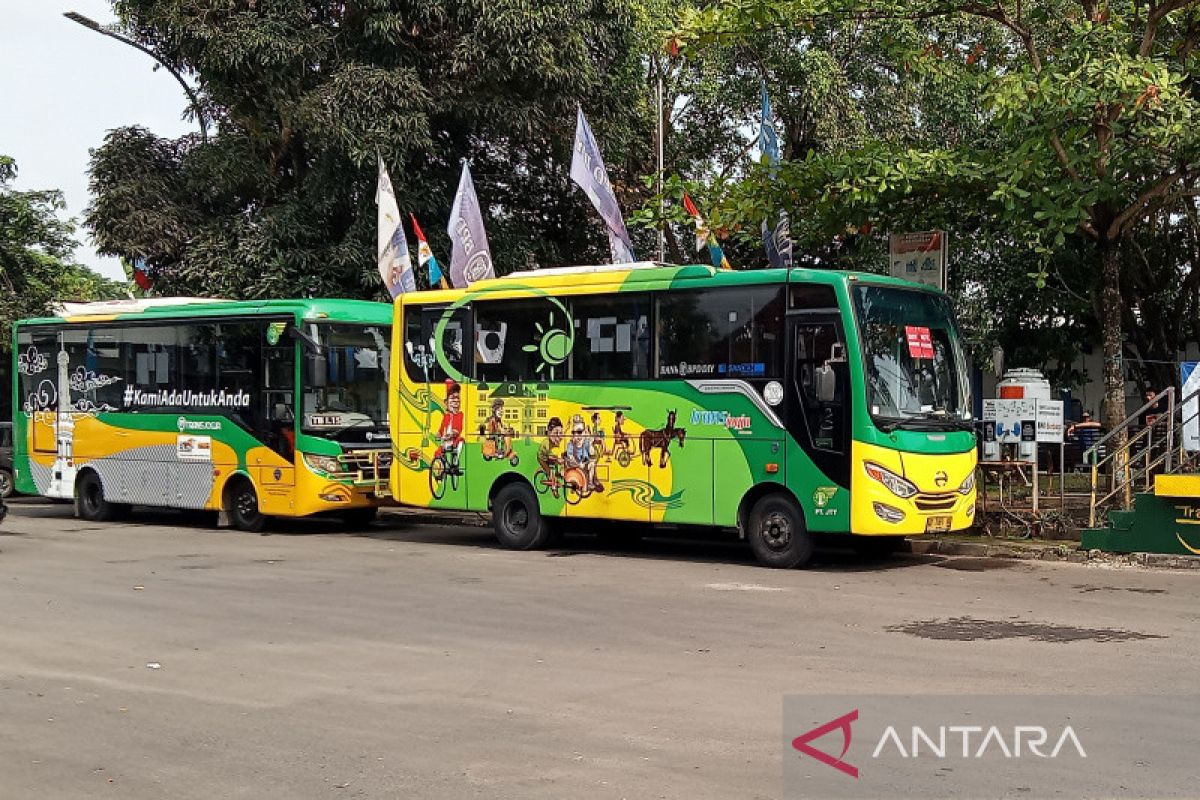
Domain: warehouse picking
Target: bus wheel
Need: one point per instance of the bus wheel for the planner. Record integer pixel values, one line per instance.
(517, 519)
(777, 534)
(6, 483)
(243, 508)
(90, 504)
(359, 517)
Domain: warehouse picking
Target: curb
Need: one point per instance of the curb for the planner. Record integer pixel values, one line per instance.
(1049, 552)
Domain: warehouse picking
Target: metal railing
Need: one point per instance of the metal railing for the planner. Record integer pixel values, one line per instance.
(1157, 448)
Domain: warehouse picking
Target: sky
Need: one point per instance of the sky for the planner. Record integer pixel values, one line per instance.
(62, 87)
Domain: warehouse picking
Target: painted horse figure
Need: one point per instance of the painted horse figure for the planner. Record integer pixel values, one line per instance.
(661, 439)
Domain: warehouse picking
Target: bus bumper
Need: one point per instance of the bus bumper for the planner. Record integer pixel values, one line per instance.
(944, 500)
(361, 487)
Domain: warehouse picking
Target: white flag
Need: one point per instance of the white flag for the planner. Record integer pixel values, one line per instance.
(587, 170)
(395, 265)
(470, 258)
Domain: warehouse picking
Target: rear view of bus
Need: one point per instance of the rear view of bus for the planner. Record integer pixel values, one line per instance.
(255, 409)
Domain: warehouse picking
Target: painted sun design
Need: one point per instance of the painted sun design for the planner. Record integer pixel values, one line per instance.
(553, 345)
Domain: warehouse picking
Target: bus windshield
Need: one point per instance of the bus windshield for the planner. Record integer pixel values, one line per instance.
(345, 382)
(913, 362)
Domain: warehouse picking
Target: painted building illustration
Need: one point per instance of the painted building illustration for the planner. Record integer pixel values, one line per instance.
(526, 406)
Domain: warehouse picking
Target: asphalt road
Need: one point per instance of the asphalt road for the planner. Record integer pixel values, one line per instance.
(419, 660)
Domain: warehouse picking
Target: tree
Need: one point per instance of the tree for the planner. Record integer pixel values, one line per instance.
(35, 261)
(1088, 127)
(304, 93)
(36, 248)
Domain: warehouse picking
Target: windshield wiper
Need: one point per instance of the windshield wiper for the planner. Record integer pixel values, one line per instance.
(925, 424)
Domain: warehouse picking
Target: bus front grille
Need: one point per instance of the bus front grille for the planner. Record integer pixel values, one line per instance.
(367, 466)
(936, 502)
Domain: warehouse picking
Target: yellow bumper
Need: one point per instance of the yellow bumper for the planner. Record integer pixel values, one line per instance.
(317, 493)
(937, 507)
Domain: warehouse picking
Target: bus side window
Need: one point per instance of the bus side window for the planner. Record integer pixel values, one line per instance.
(820, 377)
(612, 337)
(420, 356)
(521, 340)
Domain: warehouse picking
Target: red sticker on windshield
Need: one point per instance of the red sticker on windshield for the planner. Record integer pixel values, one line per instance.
(920, 341)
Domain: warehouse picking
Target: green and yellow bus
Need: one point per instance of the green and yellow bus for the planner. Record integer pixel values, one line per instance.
(791, 406)
(255, 409)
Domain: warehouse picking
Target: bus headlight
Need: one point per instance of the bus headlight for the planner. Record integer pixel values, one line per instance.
(894, 483)
(325, 464)
(968, 484)
(887, 513)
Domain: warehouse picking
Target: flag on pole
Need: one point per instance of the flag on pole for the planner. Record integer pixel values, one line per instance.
(470, 257)
(136, 272)
(704, 237)
(395, 265)
(587, 170)
(425, 258)
(778, 239)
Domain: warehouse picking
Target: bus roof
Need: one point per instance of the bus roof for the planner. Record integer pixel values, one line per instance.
(336, 310)
(648, 275)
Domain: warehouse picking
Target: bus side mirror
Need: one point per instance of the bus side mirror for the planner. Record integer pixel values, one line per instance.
(318, 370)
(826, 384)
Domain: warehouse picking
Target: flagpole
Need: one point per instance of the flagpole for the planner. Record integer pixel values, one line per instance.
(662, 202)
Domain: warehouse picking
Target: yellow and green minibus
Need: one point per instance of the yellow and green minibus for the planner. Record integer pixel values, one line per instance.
(254, 409)
(793, 406)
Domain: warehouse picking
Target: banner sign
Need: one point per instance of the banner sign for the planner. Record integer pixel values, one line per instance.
(919, 257)
(1015, 421)
(1190, 380)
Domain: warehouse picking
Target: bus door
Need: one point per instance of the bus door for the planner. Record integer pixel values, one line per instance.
(276, 474)
(818, 412)
(38, 366)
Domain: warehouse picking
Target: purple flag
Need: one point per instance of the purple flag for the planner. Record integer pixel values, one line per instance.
(470, 258)
(587, 170)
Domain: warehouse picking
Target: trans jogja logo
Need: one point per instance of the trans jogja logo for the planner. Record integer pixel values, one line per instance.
(944, 742)
(721, 419)
(186, 424)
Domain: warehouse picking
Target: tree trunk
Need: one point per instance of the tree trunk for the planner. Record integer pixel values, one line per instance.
(1110, 313)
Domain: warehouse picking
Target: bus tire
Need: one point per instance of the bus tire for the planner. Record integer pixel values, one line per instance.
(6, 483)
(242, 506)
(90, 504)
(518, 520)
(778, 536)
(359, 517)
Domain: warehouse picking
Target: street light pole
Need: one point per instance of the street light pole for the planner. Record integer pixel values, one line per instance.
(105, 31)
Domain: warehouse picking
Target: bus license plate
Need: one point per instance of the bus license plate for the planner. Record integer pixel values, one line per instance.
(938, 524)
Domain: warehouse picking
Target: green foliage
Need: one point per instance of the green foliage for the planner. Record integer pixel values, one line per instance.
(35, 253)
(282, 199)
(1066, 134)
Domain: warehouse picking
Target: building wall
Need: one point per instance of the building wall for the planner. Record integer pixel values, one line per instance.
(1090, 394)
